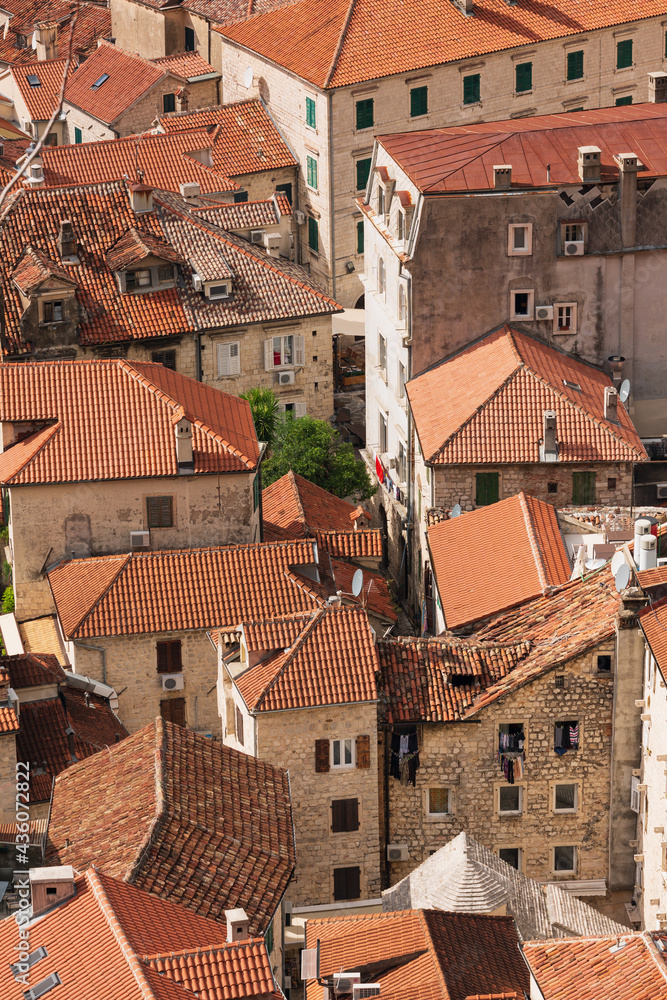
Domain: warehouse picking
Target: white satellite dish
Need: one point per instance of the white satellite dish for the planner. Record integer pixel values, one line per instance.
(357, 582)
(594, 564)
(624, 391)
(247, 78)
(456, 510)
(622, 577)
(618, 560)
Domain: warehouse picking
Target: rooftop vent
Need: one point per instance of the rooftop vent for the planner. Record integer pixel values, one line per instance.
(43, 987)
(36, 178)
(502, 176)
(610, 404)
(237, 925)
(141, 198)
(657, 88)
(184, 453)
(66, 240)
(549, 448)
(100, 80)
(190, 191)
(50, 886)
(33, 80)
(589, 164)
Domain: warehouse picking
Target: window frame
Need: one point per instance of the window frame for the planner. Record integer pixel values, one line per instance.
(233, 360)
(382, 277)
(51, 306)
(170, 651)
(580, 733)
(383, 432)
(504, 787)
(345, 818)
(530, 314)
(519, 853)
(431, 813)
(164, 358)
(478, 476)
(577, 796)
(565, 331)
(527, 250)
(173, 703)
(571, 66)
(624, 101)
(584, 499)
(296, 352)
(564, 871)
(311, 113)
(342, 740)
(418, 101)
(78, 136)
(624, 46)
(382, 354)
(346, 868)
(474, 89)
(132, 284)
(168, 99)
(189, 39)
(154, 523)
(311, 172)
(524, 70)
(364, 110)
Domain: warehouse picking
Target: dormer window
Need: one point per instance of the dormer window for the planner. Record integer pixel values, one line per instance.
(33, 80)
(21, 42)
(165, 274)
(143, 279)
(137, 279)
(218, 291)
(53, 312)
(100, 80)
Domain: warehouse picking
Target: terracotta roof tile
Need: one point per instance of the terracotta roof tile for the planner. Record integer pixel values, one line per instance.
(229, 972)
(348, 544)
(188, 65)
(79, 443)
(375, 595)
(182, 817)
(247, 214)
(653, 621)
(34, 268)
(9, 722)
(227, 11)
(294, 507)
(181, 590)
(135, 246)
(335, 44)
(507, 379)
(648, 578)
(40, 100)
(92, 22)
(129, 77)
(32, 670)
(497, 556)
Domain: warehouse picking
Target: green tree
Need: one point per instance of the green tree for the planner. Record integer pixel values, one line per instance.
(265, 412)
(7, 600)
(313, 449)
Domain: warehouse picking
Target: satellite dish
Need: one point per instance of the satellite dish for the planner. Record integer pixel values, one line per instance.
(618, 560)
(622, 577)
(594, 564)
(624, 391)
(357, 582)
(456, 510)
(247, 78)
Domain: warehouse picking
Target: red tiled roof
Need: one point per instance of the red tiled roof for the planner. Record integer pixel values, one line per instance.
(462, 157)
(135, 246)
(32, 670)
(92, 22)
(33, 269)
(497, 556)
(430, 954)
(360, 544)
(596, 968)
(181, 590)
(247, 214)
(375, 595)
(508, 379)
(80, 443)
(227, 11)
(182, 817)
(331, 662)
(130, 76)
(9, 722)
(40, 101)
(188, 65)
(653, 621)
(336, 43)
(656, 577)
(293, 507)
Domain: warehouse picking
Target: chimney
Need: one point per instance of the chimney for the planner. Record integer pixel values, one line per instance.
(628, 167)
(616, 362)
(71, 745)
(642, 529)
(182, 95)
(465, 6)
(184, 455)
(610, 404)
(66, 240)
(657, 88)
(36, 177)
(648, 552)
(46, 40)
(49, 886)
(190, 191)
(589, 164)
(237, 925)
(141, 198)
(502, 176)
(549, 449)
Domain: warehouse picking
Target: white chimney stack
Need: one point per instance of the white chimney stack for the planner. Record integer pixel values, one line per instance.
(642, 528)
(589, 164)
(610, 404)
(184, 453)
(237, 925)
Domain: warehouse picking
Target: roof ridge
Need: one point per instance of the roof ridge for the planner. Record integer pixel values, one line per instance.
(532, 538)
(469, 419)
(89, 610)
(162, 814)
(295, 487)
(294, 649)
(339, 46)
(492, 145)
(433, 952)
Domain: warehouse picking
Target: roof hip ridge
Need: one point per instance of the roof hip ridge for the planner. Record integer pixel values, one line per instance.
(124, 558)
(487, 149)
(295, 487)
(48, 432)
(339, 46)
(296, 646)
(532, 538)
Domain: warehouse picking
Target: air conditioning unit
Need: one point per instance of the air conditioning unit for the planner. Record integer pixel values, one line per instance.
(272, 240)
(300, 217)
(662, 491)
(140, 540)
(662, 561)
(256, 235)
(172, 682)
(397, 852)
(197, 283)
(285, 378)
(573, 248)
(343, 982)
(364, 990)
(544, 312)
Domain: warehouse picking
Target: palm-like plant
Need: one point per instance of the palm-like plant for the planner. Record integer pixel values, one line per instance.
(265, 413)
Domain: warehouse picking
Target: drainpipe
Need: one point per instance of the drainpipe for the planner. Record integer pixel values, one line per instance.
(197, 339)
(97, 649)
(331, 199)
(411, 450)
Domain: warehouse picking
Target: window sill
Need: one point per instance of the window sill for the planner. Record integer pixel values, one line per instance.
(523, 93)
(52, 322)
(625, 69)
(236, 375)
(519, 253)
(366, 128)
(512, 814)
(336, 768)
(436, 817)
(565, 812)
(472, 104)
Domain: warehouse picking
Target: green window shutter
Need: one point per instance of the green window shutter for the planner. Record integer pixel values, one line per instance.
(575, 65)
(624, 53)
(418, 101)
(255, 493)
(365, 113)
(623, 100)
(311, 172)
(471, 89)
(313, 234)
(363, 172)
(311, 118)
(524, 77)
(583, 487)
(360, 237)
(487, 488)
(78, 135)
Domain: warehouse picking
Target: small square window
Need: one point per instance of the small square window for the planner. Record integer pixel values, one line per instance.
(160, 512)
(471, 89)
(521, 304)
(439, 801)
(166, 358)
(523, 77)
(575, 65)
(566, 798)
(559, 680)
(364, 113)
(621, 101)
(342, 753)
(565, 318)
(611, 482)
(624, 55)
(418, 101)
(511, 856)
(566, 736)
(604, 663)
(165, 274)
(510, 800)
(311, 115)
(347, 883)
(552, 487)
(52, 312)
(520, 240)
(565, 859)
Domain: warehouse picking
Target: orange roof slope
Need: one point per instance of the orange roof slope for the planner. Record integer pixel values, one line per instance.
(92, 22)
(463, 406)
(42, 99)
(335, 44)
(32, 670)
(332, 662)
(653, 621)
(461, 157)
(182, 590)
(497, 556)
(182, 817)
(293, 507)
(79, 443)
(188, 65)
(431, 955)
(129, 77)
(591, 970)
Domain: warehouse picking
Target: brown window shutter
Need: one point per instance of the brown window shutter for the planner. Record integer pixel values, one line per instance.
(175, 661)
(173, 710)
(347, 883)
(153, 505)
(363, 751)
(166, 518)
(321, 756)
(163, 658)
(338, 815)
(351, 814)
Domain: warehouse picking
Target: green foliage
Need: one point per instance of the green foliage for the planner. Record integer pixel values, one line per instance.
(8, 600)
(265, 413)
(313, 449)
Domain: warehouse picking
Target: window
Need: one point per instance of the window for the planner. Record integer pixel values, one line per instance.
(620, 101)
(363, 168)
(239, 724)
(166, 358)
(604, 663)
(611, 483)
(382, 353)
(401, 225)
(78, 136)
(347, 883)
(344, 815)
(382, 276)
(173, 710)
(400, 381)
(624, 56)
(521, 304)
(573, 232)
(168, 102)
(402, 304)
(33, 958)
(52, 312)
(160, 512)
(255, 493)
(565, 318)
(21, 41)
(165, 273)
(189, 39)
(487, 488)
(44, 986)
(510, 800)
(100, 80)
(565, 798)
(565, 859)
(471, 89)
(229, 359)
(360, 236)
(381, 201)
(511, 856)
(268, 939)
(296, 408)
(288, 351)
(566, 736)
(402, 463)
(33, 80)
(439, 801)
(218, 292)
(342, 753)
(169, 659)
(552, 487)
(511, 736)
(138, 279)
(583, 487)
(240, 197)
(520, 239)
(364, 111)
(311, 172)
(635, 797)
(311, 114)
(313, 234)
(383, 432)
(523, 73)
(418, 101)
(559, 680)
(575, 65)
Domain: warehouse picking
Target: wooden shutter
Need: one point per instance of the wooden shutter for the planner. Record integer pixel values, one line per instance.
(299, 410)
(487, 488)
(268, 355)
(363, 751)
(351, 815)
(169, 657)
(347, 883)
(299, 352)
(239, 725)
(583, 487)
(163, 658)
(338, 815)
(321, 756)
(229, 359)
(173, 710)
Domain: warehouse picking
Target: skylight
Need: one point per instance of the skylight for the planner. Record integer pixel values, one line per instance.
(39, 989)
(98, 83)
(571, 385)
(33, 958)
(34, 80)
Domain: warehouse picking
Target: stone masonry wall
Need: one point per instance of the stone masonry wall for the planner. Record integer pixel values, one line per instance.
(8, 778)
(287, 739)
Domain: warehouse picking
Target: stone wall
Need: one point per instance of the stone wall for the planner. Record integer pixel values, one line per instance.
(8, 778)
